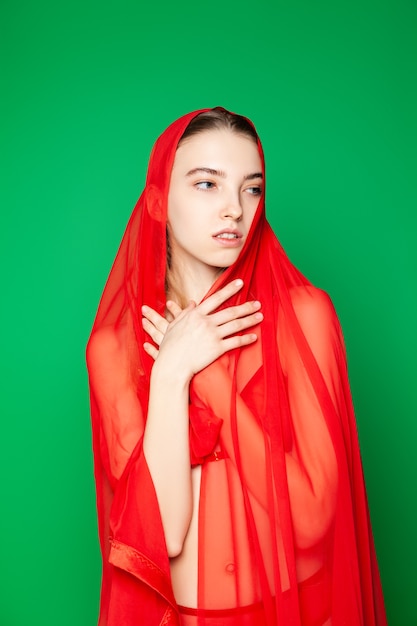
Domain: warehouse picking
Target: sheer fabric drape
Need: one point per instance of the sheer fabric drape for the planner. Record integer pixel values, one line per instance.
(284, 531)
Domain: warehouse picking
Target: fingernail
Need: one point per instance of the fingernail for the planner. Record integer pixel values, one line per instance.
(259, 316)
(256, 304)
(239, 282)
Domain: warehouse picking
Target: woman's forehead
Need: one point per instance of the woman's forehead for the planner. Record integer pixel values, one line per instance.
(218, 146)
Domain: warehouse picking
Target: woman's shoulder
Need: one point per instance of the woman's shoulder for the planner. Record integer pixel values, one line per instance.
(312, 304)
(106, 343)
(317, 320)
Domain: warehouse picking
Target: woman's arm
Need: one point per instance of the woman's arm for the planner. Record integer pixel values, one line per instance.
(166, 450)
(196, 337)
(113, 390)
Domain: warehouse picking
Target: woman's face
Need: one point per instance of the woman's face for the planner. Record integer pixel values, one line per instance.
(215, 187)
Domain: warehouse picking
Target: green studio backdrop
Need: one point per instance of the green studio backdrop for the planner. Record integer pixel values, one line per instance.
(86, 88)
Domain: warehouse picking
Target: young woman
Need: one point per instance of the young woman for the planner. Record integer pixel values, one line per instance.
(229, 480)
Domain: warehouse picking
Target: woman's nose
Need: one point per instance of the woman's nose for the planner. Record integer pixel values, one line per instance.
(232, 209)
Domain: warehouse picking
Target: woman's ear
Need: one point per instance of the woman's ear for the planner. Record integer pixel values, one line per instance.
(153, 202)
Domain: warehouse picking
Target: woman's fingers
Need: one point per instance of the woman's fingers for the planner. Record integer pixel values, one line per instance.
(151, 350)
(238, 341)
(214, 331)
(154, 324)
(157, 320)
(239, 311)
(237, 325)
(217, 298)
(174, 308)
(248, 310)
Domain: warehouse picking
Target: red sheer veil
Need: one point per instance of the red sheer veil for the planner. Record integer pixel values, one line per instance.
(283, 520)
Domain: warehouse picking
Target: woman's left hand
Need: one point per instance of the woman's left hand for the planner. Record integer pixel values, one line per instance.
(156, 326)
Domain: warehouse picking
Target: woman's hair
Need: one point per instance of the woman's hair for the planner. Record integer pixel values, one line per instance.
(219, 119)
(214, 119)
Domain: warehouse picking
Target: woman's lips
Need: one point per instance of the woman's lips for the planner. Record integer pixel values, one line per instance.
(229, 238)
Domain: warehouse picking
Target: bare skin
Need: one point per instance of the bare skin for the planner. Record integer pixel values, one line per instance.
(176, 362)
(166, 444)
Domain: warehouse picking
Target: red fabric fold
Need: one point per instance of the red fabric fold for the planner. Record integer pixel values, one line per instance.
(204, 433)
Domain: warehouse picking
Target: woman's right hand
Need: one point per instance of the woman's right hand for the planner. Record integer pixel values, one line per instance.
(199, 334)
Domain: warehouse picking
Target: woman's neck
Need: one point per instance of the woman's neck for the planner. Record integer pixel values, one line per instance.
(186, 284)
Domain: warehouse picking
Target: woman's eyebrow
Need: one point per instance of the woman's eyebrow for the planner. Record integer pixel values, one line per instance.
(206, 170)
(212, 172)
(253, 176)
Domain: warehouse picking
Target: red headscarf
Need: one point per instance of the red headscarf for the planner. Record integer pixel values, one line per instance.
(283, 519)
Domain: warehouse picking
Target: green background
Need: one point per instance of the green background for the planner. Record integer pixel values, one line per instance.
(86, 88)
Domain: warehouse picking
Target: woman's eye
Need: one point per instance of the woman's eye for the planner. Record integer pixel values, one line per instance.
(255, 191)
(205, 185)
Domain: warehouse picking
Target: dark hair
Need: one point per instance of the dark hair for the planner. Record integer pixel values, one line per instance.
(219, 119)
